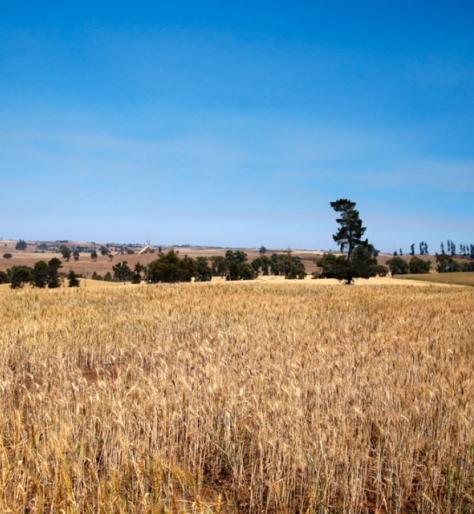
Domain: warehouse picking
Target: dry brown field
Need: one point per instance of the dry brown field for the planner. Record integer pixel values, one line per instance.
(276, 397)
(86, 266)
(463, 278)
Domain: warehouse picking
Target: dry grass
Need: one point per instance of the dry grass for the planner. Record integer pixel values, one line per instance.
(237, 398)
(461, 278)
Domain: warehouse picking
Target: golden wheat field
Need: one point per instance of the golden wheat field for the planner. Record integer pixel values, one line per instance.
(277, 398)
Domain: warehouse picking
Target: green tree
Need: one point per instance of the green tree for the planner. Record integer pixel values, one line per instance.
(76, 255)
(397, 266)
(262, 250)
(237, 267)
(218, 265)
(40, 274)
(19, 275)
(446, 264)
(65, 252)
(417, 265)
(203, 272)
(73, 280)
(104, 251)
(168, 267)
(21, 245)
(7, 255)
(4, 278)
(137, 273)
(94, 255)
(53, 273)
(360, 259)
(351, 231)
(122, 272)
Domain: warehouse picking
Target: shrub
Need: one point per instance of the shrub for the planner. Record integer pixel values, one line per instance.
(73, 280)
(203, 272)
(19, 276)
(170, 268)
(417, 265)
(397, 266)
(446, 264)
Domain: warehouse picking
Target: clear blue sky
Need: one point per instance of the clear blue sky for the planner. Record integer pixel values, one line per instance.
(235, 123)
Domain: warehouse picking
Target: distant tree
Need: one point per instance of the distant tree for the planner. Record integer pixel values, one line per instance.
(94, 255)
(218, 265)
(274, 264)
(397, 266)
(7, 255)
(471, 251)
(395, 253)
(446, 264)
(73, 280)
(412, 249)
(203, 272)
(111, 257)
(168, 267)
(360, 259)
(122, 272)
(76, 255)
(19, 275)
(53, 273)
(108, 277)
(21, 245)
(442, 248)
(40, 274)
(453, 248)
(43, 247)
(290, 266)
(382, 271)
(256, 265)
(65, 252)
(264, 265)
(417, 265)
(189, 268)
(4, 278)
(262, 250)
(246, 272)
(96, 276)
(350, 231)
(137, 273)
(104, 251)
(400, 252)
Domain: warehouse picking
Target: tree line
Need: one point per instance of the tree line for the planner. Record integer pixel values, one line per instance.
(42, 274)
(450, 248)
(168, 267)
(358, 258)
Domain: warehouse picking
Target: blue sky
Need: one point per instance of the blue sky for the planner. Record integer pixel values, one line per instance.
(235, 123)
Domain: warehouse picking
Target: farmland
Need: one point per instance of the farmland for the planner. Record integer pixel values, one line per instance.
(457, 278)
(256, 397)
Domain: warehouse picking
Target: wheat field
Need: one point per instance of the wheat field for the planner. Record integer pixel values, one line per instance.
(277, 398)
